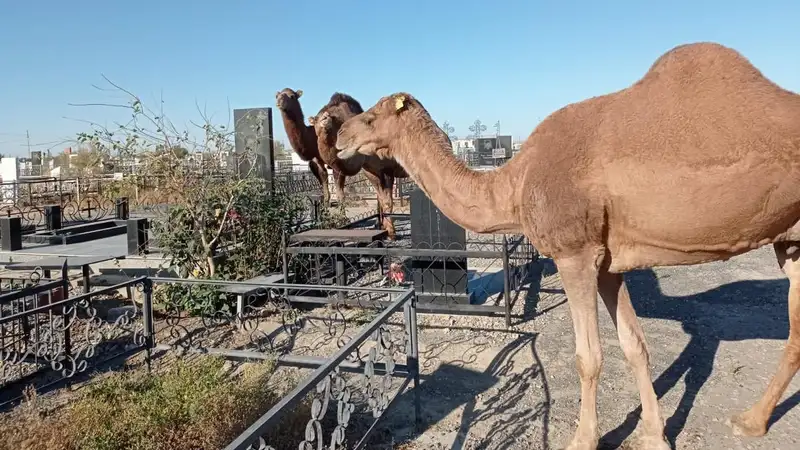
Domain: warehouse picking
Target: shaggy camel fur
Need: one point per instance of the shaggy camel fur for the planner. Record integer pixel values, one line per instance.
(697, 161)
(301, 137)
(379, 170)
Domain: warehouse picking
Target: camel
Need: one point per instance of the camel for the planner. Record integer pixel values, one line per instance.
(320, 151)
(302, 137)
(697, 161)
(379, 170)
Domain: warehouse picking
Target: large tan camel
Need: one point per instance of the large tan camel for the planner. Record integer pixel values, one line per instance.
(302, 137)
(379, 169)
(697, 161)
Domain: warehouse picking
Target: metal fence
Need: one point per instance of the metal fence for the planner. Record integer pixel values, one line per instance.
(361, 359)
(80, 200)
(484, 277)
(48, 336)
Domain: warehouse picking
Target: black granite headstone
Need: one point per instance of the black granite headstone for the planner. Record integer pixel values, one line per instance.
(10, 234)
(254, 137)
(431, 229)
(52, 217)
(121, 208)
(137, 236)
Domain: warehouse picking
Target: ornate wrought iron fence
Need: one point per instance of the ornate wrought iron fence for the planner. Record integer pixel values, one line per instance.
(485, 277)
(360, 343)
(48, 337)
(272, 321)
(80, 200)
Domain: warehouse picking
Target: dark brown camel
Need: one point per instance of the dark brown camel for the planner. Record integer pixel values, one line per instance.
(379, 169)
(302, 138)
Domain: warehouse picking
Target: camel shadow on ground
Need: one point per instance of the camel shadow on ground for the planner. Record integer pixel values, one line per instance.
(450, 387)
(752, 309)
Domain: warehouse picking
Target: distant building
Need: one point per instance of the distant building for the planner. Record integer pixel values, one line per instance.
(461, 146)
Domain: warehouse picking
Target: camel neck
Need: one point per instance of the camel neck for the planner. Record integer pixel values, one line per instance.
(297, 133)
(480, 201)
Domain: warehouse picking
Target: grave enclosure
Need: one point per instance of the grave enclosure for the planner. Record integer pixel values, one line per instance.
(451, 270)
(434, 266)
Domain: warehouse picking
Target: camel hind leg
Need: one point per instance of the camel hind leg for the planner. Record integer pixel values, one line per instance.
(321, 174)
(753, 422)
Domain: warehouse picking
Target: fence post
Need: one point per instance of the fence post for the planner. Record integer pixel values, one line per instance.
(147, 317)
(412, 354)
(67, 326)
(506, 281)
(285, 260)
(341, 277)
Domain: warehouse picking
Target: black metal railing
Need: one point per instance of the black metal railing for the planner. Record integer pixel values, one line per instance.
(362, 358)
(484, 277)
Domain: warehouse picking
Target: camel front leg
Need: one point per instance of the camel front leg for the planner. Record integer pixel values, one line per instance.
(753, 422)
(631, 338)
(340, 181)
(317, 168)
(380, 193)
(387, 204)
(579, 277)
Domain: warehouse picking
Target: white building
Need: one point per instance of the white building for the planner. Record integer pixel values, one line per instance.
(463, 145)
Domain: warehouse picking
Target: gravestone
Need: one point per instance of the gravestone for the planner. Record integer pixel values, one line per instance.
(10, 234)
(137, 237)
(121, 208)
(52, 217)
(435, 276)
(254, 137)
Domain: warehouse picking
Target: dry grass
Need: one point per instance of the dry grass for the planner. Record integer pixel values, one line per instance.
(198, 406)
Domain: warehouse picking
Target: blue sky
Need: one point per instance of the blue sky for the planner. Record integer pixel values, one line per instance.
(512, 61)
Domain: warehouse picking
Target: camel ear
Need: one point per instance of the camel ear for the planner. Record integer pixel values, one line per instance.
(312, 119)
(299, 93)
(277, 94)
(400, 102)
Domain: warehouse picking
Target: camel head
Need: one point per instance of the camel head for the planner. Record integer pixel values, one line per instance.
(288, 99)
(373, 131)
(323, 123)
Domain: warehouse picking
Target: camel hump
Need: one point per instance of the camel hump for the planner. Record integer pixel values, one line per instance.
(339, 99)
(703, 60)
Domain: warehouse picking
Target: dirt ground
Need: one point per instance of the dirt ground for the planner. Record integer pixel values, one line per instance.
(715, 332)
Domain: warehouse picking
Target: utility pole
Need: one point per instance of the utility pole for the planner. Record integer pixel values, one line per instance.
(28, 137)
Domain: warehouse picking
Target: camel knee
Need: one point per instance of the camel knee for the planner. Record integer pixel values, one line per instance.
(793, 353)
(589, 365)
(635, 349)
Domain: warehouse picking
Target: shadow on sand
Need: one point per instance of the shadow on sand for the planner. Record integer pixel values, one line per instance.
(450, 387)
(752, 309)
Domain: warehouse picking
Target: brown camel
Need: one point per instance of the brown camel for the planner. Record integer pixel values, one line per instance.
(379, 169)
(697, 161)
(302, 137)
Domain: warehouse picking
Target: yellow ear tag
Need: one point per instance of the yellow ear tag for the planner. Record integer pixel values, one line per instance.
(399, 102)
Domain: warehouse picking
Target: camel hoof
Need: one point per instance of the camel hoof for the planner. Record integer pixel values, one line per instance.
(643, 442)
(744, 425)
